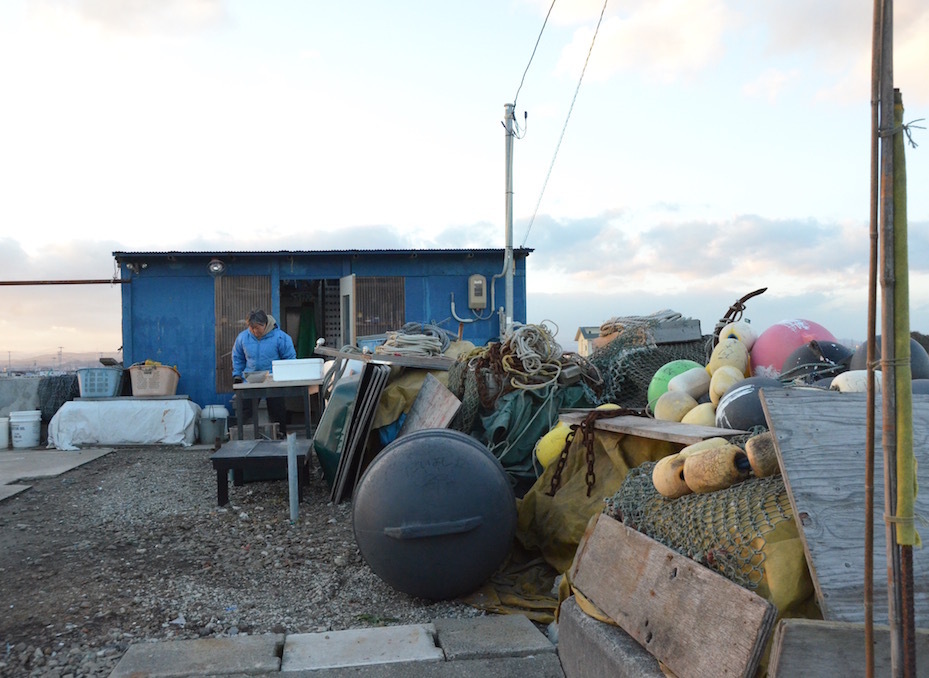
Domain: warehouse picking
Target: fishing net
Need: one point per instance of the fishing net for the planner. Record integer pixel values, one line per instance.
(629, 361)
(55, 392)
(726, 530)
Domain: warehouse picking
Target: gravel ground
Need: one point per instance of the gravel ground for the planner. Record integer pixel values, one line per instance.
(132, 548)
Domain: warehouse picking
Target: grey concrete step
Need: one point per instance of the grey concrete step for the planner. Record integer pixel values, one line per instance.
(590, 648)
(494, 646)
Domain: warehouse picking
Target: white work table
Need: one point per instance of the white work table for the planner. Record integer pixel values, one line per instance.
(275, 389)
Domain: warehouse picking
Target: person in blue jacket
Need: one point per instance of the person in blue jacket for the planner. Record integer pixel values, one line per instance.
(254, 349)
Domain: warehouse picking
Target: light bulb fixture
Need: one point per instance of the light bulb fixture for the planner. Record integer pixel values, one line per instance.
(135, 267)
(216, 267)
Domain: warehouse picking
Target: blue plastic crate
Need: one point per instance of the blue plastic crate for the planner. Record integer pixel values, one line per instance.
(99, 382)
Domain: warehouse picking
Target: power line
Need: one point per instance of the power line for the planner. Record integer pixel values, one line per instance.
(564, 129)
(532, 56)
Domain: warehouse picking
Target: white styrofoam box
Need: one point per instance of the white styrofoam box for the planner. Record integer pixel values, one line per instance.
(299, 368)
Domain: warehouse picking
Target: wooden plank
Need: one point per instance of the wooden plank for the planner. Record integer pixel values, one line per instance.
(822, 649)
(434, 407)
(645, 427)
(695, 621)
(439, 362)
(820, 443)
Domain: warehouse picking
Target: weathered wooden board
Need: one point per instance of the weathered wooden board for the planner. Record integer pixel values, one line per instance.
(434, 407)
(822, 649)
(655, 429)
(695, 621)
(439, 362)
(820, 441)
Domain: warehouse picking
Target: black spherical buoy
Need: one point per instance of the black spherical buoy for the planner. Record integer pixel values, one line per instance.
(434, 514)
(740, 407)
(820, 358)
(919, 358)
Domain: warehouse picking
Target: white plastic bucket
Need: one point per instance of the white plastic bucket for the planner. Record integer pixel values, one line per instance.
(213, 420)
(4, 432)
(24, 428)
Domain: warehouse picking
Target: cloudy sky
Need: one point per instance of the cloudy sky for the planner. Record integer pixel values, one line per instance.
(714, 147)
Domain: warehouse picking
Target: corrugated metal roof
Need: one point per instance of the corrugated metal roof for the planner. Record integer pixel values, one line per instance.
(517, 251)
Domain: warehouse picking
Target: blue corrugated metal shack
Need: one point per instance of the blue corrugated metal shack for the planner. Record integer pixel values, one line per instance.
(186, 308)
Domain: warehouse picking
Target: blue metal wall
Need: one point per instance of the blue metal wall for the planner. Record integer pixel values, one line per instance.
(169, 312)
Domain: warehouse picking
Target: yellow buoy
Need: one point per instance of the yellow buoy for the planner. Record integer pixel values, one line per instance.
(694, 382)
(702, 446)
(668, 477)
(729, 352)
(550, 446)
(724, 378)
(703, 414)
(715, 469)
(740, 330)
(761, 455)
(673, 405)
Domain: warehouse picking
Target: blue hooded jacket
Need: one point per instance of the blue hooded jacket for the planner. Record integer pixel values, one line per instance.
(254, 355)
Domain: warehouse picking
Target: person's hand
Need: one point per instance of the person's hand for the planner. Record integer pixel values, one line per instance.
(237, 380)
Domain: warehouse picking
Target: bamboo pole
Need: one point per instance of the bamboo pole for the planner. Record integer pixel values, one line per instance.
(888, 389)
(906, 463)
(876, 22)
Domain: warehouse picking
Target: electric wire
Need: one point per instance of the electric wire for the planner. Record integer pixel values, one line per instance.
(532, 56)
(565, 127)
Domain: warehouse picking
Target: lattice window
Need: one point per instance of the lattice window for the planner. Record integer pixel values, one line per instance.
(234, 297)
(379, 305)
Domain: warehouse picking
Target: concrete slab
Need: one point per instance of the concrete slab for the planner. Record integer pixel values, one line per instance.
(7, 491)
(590, 648)
(242, 655)
(538, 666)
(505, 635)
(26, 464)
(360, 647)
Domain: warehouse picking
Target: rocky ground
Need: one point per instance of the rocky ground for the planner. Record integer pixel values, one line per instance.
(132, 548)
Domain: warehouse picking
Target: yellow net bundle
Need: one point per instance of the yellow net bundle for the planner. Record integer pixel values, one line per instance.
(746, 533)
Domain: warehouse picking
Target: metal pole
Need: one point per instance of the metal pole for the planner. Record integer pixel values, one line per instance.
(293, 482)
(509, 118)
(114, 281)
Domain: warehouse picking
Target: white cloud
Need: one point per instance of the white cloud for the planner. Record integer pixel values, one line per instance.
(665, 39)
(137, 17)
(769, 84)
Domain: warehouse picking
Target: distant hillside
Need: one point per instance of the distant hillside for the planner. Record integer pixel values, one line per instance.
(66, 362)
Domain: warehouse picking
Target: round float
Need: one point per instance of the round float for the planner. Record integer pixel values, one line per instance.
(740, 407)
(919, 359)
(780, 340)
(434, 514)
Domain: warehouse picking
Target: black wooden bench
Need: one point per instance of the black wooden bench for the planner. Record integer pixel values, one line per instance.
(258, 456)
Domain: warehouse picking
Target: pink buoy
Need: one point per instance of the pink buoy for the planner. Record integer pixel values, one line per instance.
(776, 343)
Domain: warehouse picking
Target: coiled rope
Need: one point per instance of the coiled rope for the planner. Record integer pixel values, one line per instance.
(416, 339)
(531, 357)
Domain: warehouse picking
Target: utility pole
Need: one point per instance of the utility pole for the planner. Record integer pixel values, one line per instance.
(510, 118)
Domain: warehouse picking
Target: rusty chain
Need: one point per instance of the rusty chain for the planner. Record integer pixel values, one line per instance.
(587, 428)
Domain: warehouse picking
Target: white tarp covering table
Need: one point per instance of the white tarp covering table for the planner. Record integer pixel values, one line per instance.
(124, 421)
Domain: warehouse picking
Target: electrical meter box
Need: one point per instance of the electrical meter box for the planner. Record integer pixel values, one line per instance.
(477, 292)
